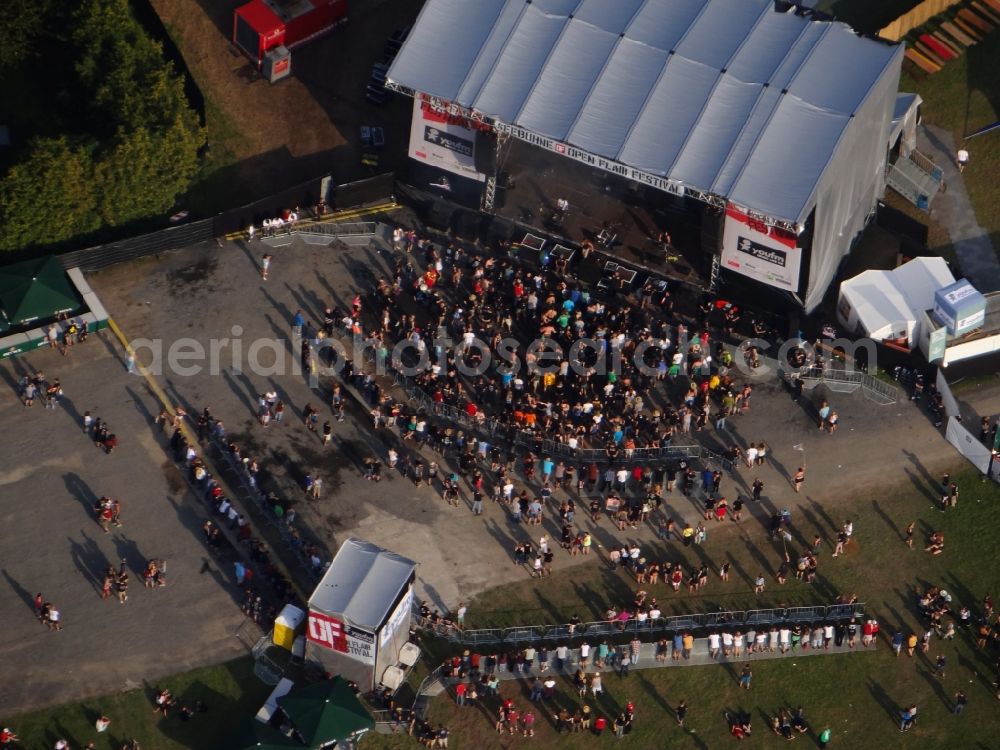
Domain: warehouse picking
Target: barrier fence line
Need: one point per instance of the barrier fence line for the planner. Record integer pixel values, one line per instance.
(332, 219)
(653, 628)
(492, 427)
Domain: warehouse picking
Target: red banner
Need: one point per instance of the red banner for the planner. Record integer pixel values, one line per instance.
(327, 631)
(775, 233)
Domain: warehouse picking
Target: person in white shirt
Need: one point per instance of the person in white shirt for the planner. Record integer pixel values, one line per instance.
(727, 643)
(713, 645)
(785, 636)
(963, 159)
(562, 653)
(761, 641)
(622, 476)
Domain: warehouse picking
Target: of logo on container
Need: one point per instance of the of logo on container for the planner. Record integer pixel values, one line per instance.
(327, 631)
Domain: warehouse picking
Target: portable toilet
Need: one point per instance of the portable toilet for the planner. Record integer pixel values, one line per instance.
(285, 626)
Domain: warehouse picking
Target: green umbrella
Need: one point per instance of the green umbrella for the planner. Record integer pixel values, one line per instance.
(35, 290)
(326, 711)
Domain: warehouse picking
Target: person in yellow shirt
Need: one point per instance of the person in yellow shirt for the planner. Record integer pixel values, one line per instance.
(911, 644)
(688, 645)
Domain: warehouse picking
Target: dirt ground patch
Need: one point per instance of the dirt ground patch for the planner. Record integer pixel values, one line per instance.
(267, 137)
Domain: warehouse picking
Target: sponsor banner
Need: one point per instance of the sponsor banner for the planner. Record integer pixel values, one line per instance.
(593, 160)
(360, 645)
(762, 252)
(937, 344)
(397, 617)
(330, 632)
(326, 631)
(443, 142)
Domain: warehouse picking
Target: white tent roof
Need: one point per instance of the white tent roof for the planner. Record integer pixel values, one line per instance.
(919, 278)
(880, 306)
(362, 583)
(885, 299)
(725, 96)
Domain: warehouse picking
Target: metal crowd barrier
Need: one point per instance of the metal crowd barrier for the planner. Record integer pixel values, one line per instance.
(492, 427)
(651, 629)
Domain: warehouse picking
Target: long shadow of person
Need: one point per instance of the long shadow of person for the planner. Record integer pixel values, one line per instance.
(882, 698)
(22, 592)
(80, 490)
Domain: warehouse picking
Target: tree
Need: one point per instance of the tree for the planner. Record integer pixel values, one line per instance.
(49, 197)
(22, 22)
(139, 148)
(144, 172)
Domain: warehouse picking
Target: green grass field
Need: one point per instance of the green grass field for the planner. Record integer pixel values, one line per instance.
(857, 695)
(230, 691)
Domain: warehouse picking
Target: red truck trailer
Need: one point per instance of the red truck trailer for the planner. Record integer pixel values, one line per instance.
(264, 25)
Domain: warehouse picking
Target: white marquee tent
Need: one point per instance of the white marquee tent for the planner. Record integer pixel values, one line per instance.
(731, 101)
(889, 305)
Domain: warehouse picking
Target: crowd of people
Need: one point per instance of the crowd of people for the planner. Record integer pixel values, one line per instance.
(577, 400)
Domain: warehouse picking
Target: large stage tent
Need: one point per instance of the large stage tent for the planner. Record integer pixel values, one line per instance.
(756, 107)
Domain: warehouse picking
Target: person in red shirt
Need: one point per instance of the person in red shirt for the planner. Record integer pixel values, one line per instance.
(7, 737)
(512, 718)
(600, 724)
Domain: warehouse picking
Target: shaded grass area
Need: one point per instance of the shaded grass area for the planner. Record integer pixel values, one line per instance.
(230, 691)
(858, 696)
(963, 97)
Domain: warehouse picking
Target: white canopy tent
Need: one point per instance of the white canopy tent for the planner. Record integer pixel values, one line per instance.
(889, 305)
(727, 100)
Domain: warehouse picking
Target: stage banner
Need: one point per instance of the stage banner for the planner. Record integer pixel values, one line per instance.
(442, 141)
(764, 253)
(330, 632)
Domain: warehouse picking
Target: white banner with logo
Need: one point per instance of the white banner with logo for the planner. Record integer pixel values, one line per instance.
(332, 633)
(440, 141)
(761, 252)
(585, 157)
(397, 618)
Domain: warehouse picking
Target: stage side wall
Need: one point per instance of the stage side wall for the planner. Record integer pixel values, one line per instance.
(854, 179)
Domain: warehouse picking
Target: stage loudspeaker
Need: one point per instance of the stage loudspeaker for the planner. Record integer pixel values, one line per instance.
(438, 214)
(485, 154)
(465, 224)
(498, 230)
(712, 223)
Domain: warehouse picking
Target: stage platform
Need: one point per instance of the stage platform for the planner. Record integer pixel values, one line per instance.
(602, 205)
